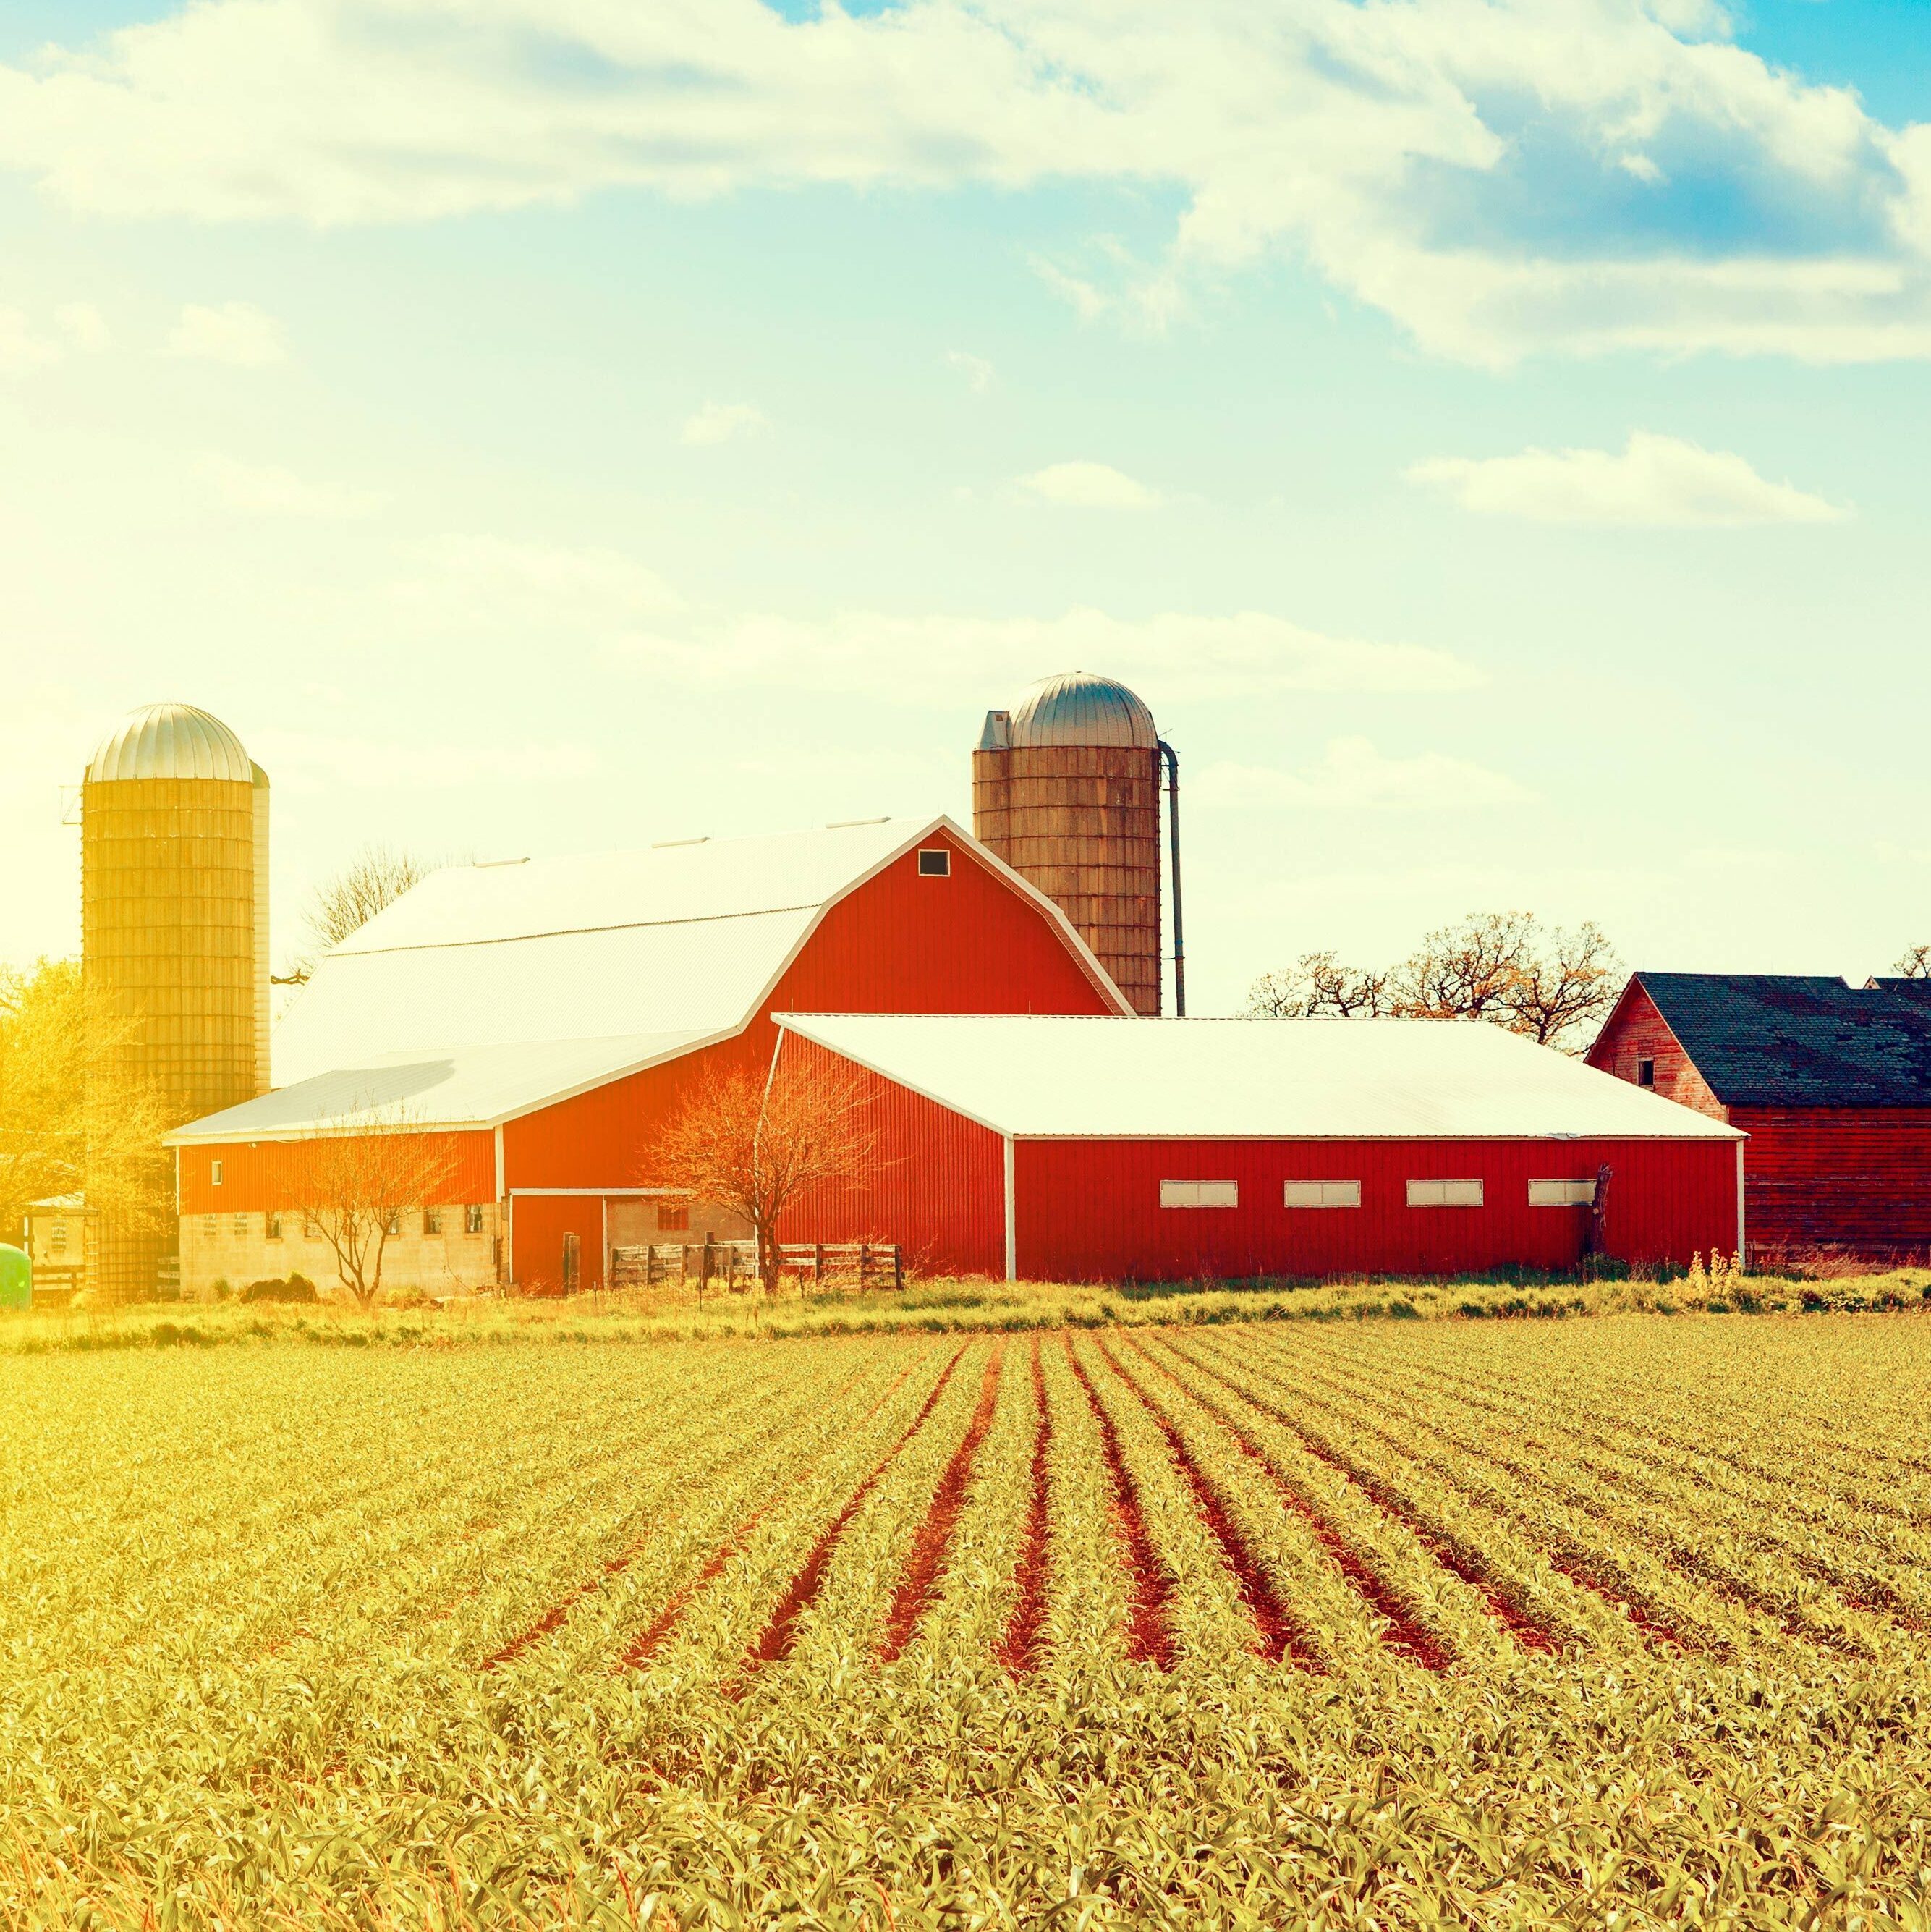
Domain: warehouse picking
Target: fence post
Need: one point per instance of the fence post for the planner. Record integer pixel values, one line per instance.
(898, 1267)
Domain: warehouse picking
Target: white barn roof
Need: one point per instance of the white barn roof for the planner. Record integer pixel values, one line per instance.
(1052, 1076)
(489, 990)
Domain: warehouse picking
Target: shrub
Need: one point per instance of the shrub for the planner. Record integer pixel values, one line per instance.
(296, 1288)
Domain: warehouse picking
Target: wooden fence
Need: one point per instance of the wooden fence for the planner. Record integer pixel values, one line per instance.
(733, 1264)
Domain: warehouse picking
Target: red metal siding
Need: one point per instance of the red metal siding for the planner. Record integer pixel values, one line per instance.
(899, 944)
(939, 1187)
(1090, 1210)
(1856, 1178)
(268, 1174)
(1637, 1031)
(538, 1223)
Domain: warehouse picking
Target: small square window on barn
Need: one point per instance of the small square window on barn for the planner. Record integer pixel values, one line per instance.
(935, 861)
(432, 1220)
(1645, 1073)
(241, 1226)
(674, 1217)
(272, 1227)
(208, 1224)
(215, 1173)
(1562, 1193)
(472, 1218)
(1200, 1194)
(311, 1228)
(392, 1221)
(1320, 1194)
(1444, 1194)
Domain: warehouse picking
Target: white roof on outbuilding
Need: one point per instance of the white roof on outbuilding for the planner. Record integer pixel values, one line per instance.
(1056, 1076)
(457, 1087)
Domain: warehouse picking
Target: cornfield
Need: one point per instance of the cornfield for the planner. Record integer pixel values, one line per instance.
(1622, 1623)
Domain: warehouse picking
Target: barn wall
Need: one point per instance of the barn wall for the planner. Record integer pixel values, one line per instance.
(538, 1225)
(1090, 1210)
(899, 944)
(1637, 1031)
(1858, 1178)
(268, 1174)
(939, 1187)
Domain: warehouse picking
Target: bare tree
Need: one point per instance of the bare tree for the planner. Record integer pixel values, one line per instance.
(354, 1188)
(1916, 964)
(752, 1145)
(373, 880)
(75, 1116)
(1318, 986)
(1550, 984)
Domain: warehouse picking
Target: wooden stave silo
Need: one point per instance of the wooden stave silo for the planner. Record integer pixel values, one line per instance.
(1080, 822)
(174, 936)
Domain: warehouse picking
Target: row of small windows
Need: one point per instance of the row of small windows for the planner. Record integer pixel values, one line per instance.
(1348, 1194)
(434, 1221)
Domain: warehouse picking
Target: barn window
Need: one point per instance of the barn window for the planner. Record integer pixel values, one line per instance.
(674, 1217)
(432, 1220)
(392, 1221)
(1200, 1194)
(935, 861)
(271, 1227)
(208, 1227)
(1320, 1194)
(1562, 1193)
(1645, 1073)
(215, 1173)
(1444, 1194)
(241, 1226)
(311, 1228)
(472, 1218)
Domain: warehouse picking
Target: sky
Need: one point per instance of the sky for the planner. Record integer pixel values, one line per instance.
(1488, 433)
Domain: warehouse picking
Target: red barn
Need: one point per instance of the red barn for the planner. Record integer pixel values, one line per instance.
(1831, 1082)
(1051, 1148)
(537, 1019)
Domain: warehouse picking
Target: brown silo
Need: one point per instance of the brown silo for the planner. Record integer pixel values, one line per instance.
(1066, 790)
(174, 930)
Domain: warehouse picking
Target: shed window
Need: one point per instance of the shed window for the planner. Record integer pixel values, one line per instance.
(472, 1218)
(57, 1242)
(1645, 1073)
(674, 1217)
(1444, 1194)
(935, 861)
(1562, 1193)
(1200, 1194)
(1320, 1194)
(215, 1173)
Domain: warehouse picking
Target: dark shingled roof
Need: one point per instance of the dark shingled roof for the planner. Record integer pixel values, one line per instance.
(1768, 1039)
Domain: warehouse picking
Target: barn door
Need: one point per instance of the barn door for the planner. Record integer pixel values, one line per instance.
(572, 1263)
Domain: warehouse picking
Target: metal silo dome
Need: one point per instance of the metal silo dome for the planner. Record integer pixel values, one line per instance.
(171, 741)
(1078, 708)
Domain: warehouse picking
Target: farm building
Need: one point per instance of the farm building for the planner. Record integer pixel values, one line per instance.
(531, 1022)
(1062, 1148)
(1831, 1082)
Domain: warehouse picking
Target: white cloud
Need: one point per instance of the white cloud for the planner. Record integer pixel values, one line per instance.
(1424, 157)
(1093, 486)
(306, 762)
(977, 371)
(266, 490)
(1352, 775)
(1659, 480)
(236, 332)
(21, 348)
(83, 325)
(719, 422)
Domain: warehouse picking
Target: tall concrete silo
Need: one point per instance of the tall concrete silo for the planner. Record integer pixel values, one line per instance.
(1066, 790)
(174, 849)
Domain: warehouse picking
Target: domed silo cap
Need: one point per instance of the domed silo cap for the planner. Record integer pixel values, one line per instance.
(171, 741)
(1078, 708)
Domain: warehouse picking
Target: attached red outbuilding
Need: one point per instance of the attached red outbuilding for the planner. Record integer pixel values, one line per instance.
(1049, 1148)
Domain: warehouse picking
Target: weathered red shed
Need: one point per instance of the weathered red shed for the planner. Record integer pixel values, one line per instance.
(1047, 1148)
(1831, 1082)
(538, 1019)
